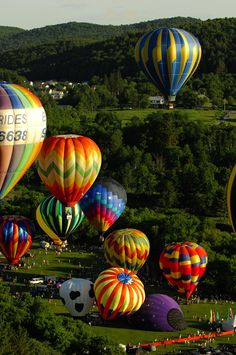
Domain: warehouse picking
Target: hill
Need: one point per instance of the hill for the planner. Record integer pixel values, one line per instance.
(6, 31)
(78, 51)
(77, 32)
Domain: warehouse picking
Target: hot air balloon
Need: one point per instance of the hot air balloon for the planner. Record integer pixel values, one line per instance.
(22, 131)
(183, 265)
(78, 296)
(127, 248)
(118, 292)
(15, 237)
(159, 313)
(104, 203)
(168, 57)
(68, 165)
(231, 198)
(57, 220)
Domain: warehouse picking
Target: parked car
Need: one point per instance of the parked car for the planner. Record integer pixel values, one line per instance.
(36, 280)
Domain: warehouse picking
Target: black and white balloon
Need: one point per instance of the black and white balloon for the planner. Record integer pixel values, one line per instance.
(78, 296)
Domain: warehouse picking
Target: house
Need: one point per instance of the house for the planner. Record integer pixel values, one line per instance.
(156, 101)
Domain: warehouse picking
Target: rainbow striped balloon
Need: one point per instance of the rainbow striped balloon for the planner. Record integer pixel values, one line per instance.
(57, 220)
(15, 237)
(68, 165)
(183, 265)
(118, 292)
(22, 131)
(104, 203)
(127, 248)
(168, 57)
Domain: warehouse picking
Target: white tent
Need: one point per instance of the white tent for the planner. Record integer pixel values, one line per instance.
(229, 324)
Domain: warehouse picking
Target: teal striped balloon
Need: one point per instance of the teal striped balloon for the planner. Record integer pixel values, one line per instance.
(57, 220)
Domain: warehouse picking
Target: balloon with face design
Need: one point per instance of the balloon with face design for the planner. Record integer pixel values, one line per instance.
(77, 295)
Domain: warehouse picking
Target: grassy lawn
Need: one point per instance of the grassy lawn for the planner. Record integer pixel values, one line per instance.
(87, 263)
(204, 116)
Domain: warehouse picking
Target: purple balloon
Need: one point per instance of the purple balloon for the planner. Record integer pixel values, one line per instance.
(159, 312)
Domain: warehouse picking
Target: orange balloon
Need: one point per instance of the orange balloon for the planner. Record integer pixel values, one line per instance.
(68, 165)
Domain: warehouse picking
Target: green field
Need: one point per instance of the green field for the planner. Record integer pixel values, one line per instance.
(88, 263)
(205, 116)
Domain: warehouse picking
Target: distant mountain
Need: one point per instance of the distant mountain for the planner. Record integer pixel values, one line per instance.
(6, 31)
(78, 33)
(78, 51)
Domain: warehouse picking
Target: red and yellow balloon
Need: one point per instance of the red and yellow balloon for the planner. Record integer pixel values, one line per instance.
(22, 131)
(183, 265)
(127, 248)
(15, 237)
(118, 292)
(68, 165)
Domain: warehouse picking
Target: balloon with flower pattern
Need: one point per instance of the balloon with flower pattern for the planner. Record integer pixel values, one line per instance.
(22, 131)
(183, 265)
(127, 248)
(68, 165)
(118, 292)
(15, 237)
(104, 203)
(57, 220)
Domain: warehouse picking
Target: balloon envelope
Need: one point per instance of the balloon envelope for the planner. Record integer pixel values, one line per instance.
(127, 248)
(22, 131)
(118, 292)
(231, 199)
(159, 312)
(15, 237)
(183, 265)
(68, 165)
(104, 203)
(77, 295)
(168, 57)
(57, 220)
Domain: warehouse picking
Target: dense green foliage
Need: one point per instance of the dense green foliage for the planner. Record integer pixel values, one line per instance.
(28, 326)
(175, 173)
(99, 54)
(78, 32)
(6, 31)
(41, 53)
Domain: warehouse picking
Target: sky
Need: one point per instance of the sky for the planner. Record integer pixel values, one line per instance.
(28, 14)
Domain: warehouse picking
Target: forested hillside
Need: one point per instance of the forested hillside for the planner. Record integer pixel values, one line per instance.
(65, 52)
(78, 32)
(7, 31)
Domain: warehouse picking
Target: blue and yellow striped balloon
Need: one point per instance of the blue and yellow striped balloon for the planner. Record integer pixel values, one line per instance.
(168, 57)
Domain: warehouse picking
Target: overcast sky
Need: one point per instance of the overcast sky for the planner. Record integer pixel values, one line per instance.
(28, 14)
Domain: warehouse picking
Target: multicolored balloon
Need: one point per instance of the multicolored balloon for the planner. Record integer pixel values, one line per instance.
(57, 220)
(104, 203)
(15, 237)
(127, 248)
(68, 165)
(22, 131)
(183, 265)
(168, 57)
(118, 292)
(78, 296)
(159, 313)
(231, 198)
